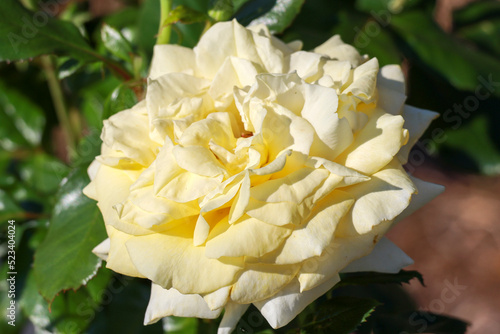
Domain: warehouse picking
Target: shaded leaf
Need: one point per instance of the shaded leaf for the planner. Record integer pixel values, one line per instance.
(473, 140)
(460, 65)
(384, 7)
(418, 322)
(70, 312)
(280, 16)
(64, 260)
(476, 11)
(253, 9)
(120, 99)
(8, 208)
(123, 309)
(43, 172)
(362, 278)
(21, 121)
(25, 34)
(486, 34)
(340, 315)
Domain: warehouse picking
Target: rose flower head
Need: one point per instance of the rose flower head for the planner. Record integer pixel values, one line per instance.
(254, 173)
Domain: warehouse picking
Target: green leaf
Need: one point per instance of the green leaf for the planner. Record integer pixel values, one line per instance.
(486, 34)
(120, 99)
(115, 43)
(178, 325)
(280, 16)
(25, 34)
(384, 7)
(380, 45)
(340, 315)
(21, 121)
(88, 148)
(67, 67)
(252, 9)
(459, 64)
(7, 177)
(476, 11)
(8, 208)
(362, 278)
(43, 172)
(473, 140)
(70, 312)
(221, 10)
(64, 260)
(147, 26)
(123, 311)
(185, 15)
(415, 322)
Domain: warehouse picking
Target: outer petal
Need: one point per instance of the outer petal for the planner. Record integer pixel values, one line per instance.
(167, 302)
(102, 250)
(389, 186)
(426, 192)
(386, 257)
(261, 281)
(232, 315)
(337, 256)
(416, 121)
(376, 144)
(183, 260)
(391, 89)
(280, 309)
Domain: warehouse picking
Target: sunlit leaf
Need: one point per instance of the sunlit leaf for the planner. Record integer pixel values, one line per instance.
(115, 43)
(64, 260)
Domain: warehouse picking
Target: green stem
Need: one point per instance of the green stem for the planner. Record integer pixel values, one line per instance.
(164, 31)
(59, 104)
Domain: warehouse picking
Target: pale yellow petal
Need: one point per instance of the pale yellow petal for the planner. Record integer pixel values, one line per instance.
(386, 257)
(335, 48)
(416, 121)
(364, 81)
(261, 281)
(168, 58)
(283, 307)
(218, 298)
(168, 259)
(391, 89)
(168, 302)
(232, 315)
(389, 186)
(315, 234)
(376, 144)
(246, 237)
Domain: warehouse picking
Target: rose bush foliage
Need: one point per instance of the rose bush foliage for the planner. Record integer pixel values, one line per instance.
(254, 173)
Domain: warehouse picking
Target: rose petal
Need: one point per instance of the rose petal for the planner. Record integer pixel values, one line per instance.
(183, 260)
(416, 121)
(386, 257)
(167, 302)
(283, 307)
(232, 315)
(168, 58)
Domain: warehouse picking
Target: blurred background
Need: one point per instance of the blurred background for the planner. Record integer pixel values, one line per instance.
(51, 111)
